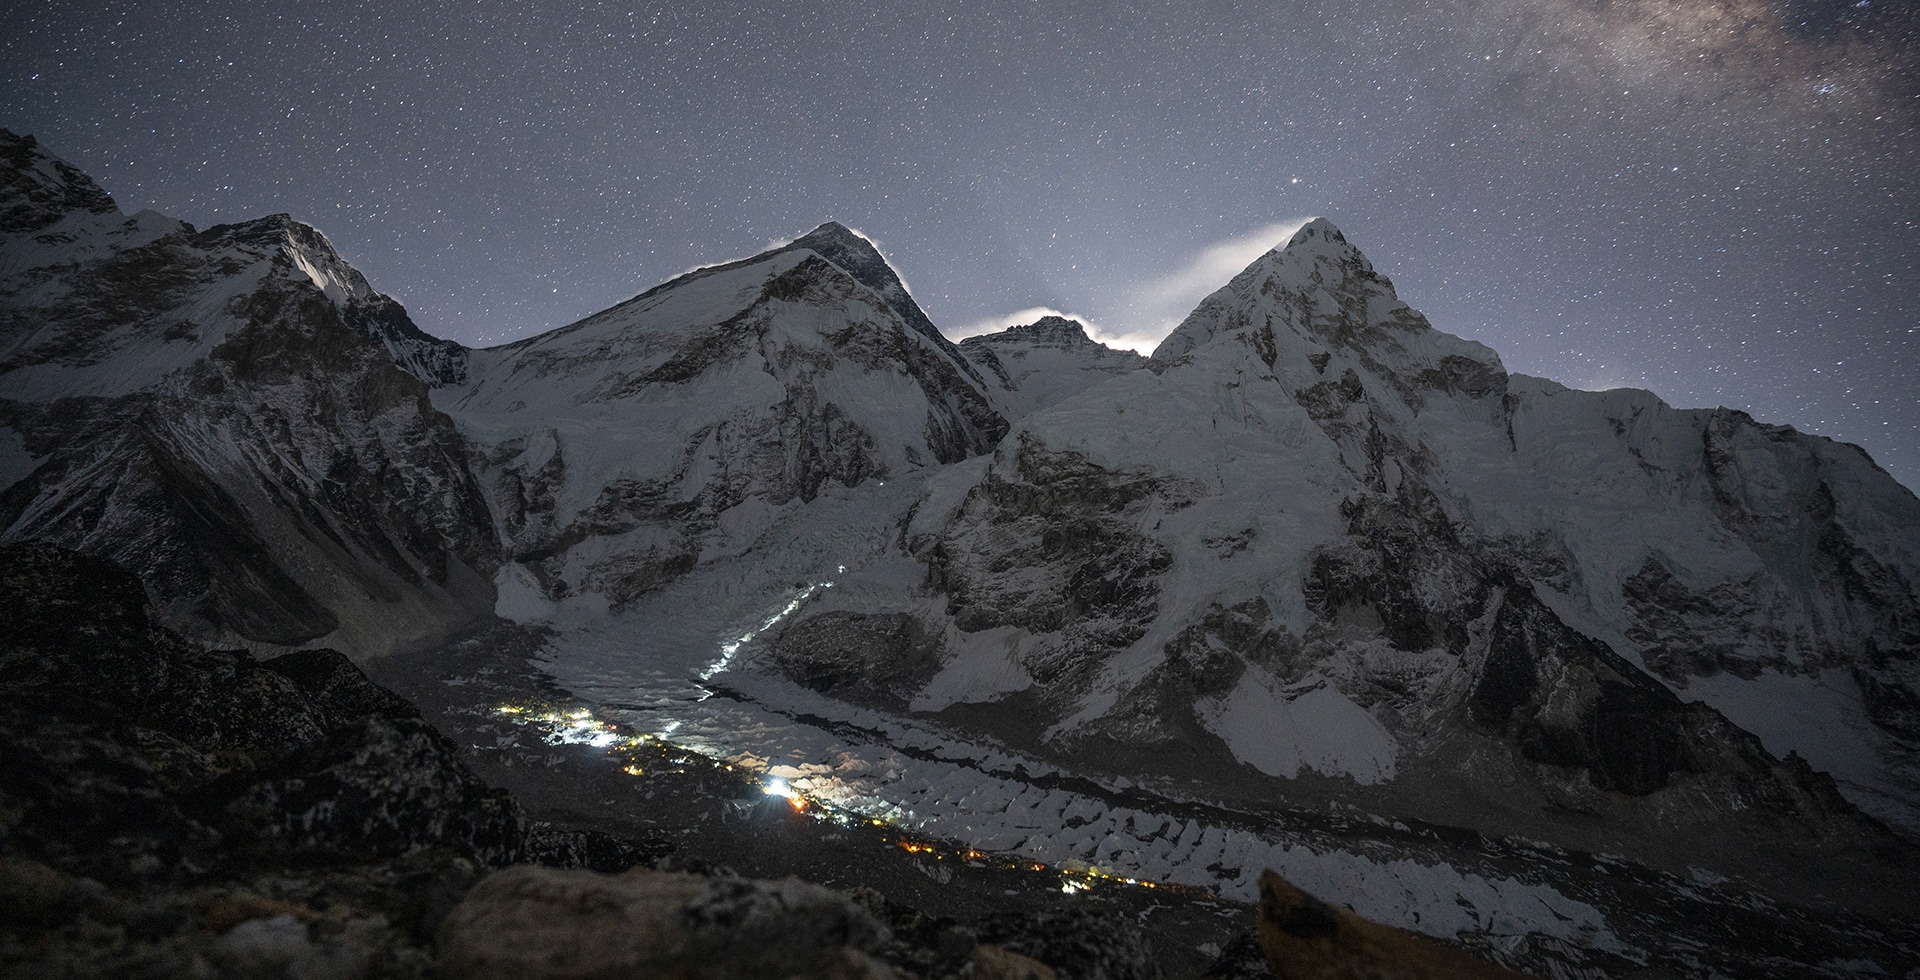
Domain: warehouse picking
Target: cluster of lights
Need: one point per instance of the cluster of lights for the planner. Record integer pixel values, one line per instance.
(579, 727)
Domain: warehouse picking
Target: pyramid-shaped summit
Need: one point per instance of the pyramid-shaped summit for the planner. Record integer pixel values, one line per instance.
(763, 380)
(1311, 298)
(857, 255)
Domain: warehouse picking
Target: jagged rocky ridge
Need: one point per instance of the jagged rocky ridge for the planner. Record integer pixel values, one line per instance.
(1319, 552)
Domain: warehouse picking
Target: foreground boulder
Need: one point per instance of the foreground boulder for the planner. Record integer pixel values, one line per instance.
(1307, 939)
(542, 922)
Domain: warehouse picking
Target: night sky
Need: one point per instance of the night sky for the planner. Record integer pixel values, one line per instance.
(1719, 201)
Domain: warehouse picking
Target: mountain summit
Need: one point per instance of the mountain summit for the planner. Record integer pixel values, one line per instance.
(618, 442)
(1049, 360)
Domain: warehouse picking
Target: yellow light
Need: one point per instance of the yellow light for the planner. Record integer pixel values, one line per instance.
(634, 771)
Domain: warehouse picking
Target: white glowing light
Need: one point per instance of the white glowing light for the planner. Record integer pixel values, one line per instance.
(778, 787)
(580, 728)
(729, 650)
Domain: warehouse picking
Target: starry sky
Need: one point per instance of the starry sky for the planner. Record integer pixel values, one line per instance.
(1718, 200)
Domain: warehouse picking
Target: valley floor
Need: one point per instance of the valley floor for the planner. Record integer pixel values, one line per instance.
(910, 831)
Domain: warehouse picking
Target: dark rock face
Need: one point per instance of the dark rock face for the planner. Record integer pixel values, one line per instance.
(1820, 600)
(214, 758)
(882, 659)
(1204, 662)
(1050, 543)
(1561, 698)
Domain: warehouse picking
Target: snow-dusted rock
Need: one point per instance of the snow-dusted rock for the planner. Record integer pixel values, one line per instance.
(235, 414)
(627, 447)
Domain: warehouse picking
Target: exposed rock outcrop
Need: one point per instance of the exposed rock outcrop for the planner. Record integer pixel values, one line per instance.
(204, 804)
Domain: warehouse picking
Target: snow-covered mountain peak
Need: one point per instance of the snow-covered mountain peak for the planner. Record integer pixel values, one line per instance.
(834, 234)
(303, 246)
(1048, 331)
(1044, 362)
(745, 389)
(1320, 234)
(1318, 252)
(1315, 311)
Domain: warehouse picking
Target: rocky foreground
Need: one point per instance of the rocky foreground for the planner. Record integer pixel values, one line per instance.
(172, 811)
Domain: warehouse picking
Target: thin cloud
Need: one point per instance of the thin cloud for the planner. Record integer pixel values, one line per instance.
(1160, 304)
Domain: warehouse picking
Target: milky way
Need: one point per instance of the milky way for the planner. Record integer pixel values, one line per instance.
(1714, 200)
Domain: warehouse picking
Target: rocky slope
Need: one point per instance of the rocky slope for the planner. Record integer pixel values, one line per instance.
(235, 414)
(167, 810)
(624, 449)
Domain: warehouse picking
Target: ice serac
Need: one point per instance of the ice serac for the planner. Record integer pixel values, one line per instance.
(1323, 542)
(1046, 361)
(626, 448)
(235, 414)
